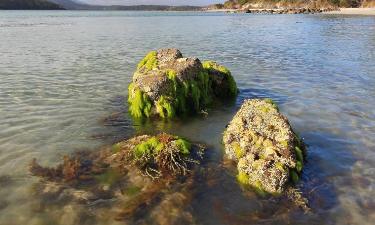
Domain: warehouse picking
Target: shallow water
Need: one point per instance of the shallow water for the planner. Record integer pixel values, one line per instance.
(63, 87)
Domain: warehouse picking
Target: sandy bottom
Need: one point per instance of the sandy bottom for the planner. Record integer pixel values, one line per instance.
(354, 11)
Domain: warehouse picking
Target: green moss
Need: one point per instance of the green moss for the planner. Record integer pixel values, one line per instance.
(139, 103)
(147, 147)
(243, 178)
(165, 107)
(238, 150)
(150, 61)
(183, 145)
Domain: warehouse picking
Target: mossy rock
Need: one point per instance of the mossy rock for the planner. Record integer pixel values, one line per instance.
(142, 174)
(162, 155)
(269, 154)
(166, 84)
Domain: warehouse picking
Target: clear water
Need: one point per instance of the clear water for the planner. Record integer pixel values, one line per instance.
(63, 73)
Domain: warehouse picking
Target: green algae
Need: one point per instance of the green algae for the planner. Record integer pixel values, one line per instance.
(150, 61)
(183, 145)
(258, 188)
(294, 176)
(139, 103)
(116, 148)
(184, 96)
(270, 101)
(110, 177)
(299, 154)
(132, 190)
(165, 107)
(147, 147)
(212, 67)
(280, 166)
(299, 166)
(154, 145)
(238, 150)
(243, 178)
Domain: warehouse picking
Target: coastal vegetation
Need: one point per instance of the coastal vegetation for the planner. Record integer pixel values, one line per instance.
(28, 4)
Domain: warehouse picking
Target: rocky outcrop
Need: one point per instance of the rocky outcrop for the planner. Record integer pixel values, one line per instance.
(261, 140)
(166, 84)
(288, 11)
(285, 6)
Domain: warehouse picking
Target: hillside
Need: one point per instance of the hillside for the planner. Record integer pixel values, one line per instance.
(28, 4)
(73, 5)
(67, 4)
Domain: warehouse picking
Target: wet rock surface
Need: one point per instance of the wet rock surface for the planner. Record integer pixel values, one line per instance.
(166, 84)
(268, 152)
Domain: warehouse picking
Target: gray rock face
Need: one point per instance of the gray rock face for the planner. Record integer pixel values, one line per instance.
(262, 141)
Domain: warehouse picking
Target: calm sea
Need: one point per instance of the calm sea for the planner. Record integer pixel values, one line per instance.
(64, 75)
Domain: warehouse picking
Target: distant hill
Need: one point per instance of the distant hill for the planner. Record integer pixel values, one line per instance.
(28, 4)
(75, 5)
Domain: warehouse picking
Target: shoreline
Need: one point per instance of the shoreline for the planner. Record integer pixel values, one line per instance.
(341, 11)
(353, 11)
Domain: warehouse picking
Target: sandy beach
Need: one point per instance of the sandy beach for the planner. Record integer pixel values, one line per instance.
(353, 11)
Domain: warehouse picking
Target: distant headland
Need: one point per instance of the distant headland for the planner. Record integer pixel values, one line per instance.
(73, 5)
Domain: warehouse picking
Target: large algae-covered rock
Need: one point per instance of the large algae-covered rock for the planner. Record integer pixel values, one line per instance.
(166, 84)
(268, 152)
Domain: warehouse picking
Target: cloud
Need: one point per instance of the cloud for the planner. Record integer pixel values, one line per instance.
(151, 2)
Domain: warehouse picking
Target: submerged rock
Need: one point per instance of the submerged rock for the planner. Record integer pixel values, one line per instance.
(136, 177)
(166, 84)
(268, 152)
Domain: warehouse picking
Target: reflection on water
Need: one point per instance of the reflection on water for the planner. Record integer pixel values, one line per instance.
(63, 87)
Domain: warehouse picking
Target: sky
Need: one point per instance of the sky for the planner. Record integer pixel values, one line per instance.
(152, 2)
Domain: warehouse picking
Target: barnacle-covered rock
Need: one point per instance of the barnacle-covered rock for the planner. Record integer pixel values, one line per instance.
(268, 152)
(166, 84)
